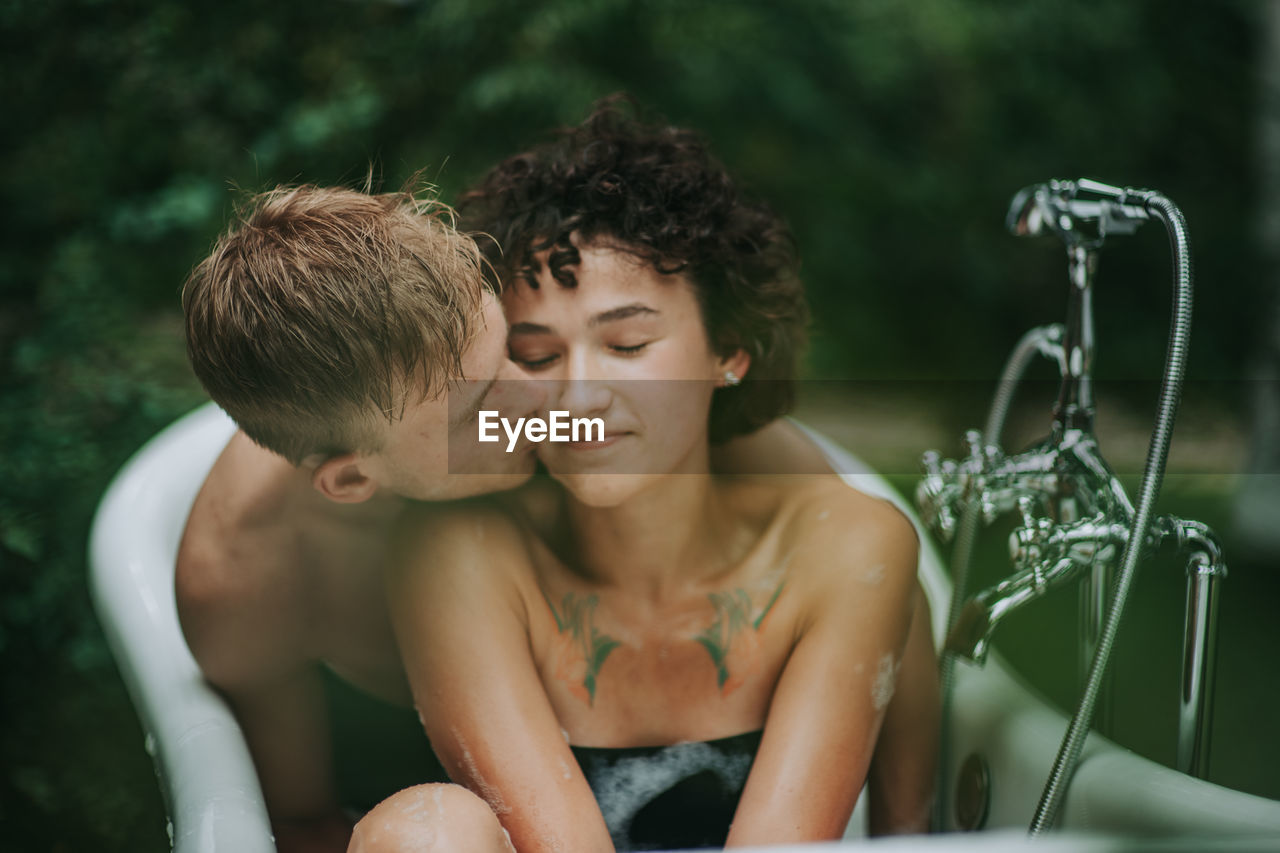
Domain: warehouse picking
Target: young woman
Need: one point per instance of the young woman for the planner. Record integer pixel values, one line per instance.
(644, 655)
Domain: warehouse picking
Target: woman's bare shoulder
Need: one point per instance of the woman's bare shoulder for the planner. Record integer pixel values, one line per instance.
(826, 504)
(846, 540)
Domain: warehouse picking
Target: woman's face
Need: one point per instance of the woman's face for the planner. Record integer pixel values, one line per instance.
(628, 346)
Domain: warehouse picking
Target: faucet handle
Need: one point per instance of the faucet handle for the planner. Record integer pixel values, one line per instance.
(930, 461)
(935, 493)
(1026, 508)
(1027, 544)
(993, 455)
(941, 472)
(946, 521)
(973, 442)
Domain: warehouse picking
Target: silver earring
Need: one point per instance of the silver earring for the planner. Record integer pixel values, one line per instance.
(731, 379)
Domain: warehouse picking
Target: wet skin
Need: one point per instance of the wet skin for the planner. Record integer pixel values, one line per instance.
(653, 603)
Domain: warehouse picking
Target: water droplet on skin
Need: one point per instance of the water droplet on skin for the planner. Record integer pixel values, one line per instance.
(873, 575)
(487, 792)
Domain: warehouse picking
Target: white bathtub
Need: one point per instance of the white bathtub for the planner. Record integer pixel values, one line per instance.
(1117, 801)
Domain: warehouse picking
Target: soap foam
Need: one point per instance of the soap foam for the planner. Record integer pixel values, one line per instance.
(884, 683)
(625, 788)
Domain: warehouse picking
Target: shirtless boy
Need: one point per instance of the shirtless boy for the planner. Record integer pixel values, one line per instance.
(333, 326)
(350, 336)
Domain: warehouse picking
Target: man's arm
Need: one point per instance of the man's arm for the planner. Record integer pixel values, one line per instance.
(245, 627)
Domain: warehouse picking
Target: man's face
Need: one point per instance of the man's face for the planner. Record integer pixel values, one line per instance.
(432, 452)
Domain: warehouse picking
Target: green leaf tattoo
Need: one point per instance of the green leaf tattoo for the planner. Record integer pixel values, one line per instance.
(580, 658)
(733, 618)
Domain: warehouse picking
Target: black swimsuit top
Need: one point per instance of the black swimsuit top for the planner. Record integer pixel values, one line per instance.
(652, 797)
(675, 797)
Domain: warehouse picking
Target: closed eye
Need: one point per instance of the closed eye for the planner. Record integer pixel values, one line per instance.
(630, 350)
(536, 363)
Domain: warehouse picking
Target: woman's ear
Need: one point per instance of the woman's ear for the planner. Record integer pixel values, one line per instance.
(733, 368)
(342, 479)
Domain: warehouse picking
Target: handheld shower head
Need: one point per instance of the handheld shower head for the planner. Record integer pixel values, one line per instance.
(1062, 208)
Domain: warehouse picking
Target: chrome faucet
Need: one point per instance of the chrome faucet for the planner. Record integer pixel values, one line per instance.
(1077, 521)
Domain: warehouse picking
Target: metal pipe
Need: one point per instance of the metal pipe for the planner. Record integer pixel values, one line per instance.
(1042, 340)
(1205, 571)
(1094, 597)
(1075, 408)
(1075, 411)
(1157, 454)
(1199, 649)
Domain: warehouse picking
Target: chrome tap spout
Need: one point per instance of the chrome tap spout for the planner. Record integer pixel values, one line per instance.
(971, 636)
(1047, 555)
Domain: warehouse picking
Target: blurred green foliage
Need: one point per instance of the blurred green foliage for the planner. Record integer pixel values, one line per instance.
(890, 134)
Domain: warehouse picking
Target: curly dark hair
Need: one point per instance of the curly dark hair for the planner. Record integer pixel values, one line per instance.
(656, 192)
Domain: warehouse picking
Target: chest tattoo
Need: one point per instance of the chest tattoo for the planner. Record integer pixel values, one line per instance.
(580, 647)
(732, 640)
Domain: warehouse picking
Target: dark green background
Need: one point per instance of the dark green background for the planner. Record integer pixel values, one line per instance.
(890, 134)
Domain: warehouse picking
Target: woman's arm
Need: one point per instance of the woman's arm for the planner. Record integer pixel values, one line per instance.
(454, 594)
(905, 766)
(857, 578)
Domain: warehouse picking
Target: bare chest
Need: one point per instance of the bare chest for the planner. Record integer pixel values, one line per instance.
(702, 674)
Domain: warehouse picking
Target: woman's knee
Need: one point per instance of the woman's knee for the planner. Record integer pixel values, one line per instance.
(430, 819)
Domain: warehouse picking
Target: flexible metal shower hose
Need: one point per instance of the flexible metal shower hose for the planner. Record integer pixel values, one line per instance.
(1170, 392)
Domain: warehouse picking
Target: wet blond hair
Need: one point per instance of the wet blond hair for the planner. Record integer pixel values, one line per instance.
(322, 310)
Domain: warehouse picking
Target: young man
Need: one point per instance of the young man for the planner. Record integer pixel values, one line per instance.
(354, 341)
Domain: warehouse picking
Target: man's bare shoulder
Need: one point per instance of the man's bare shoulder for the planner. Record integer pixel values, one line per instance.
(238, 581)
